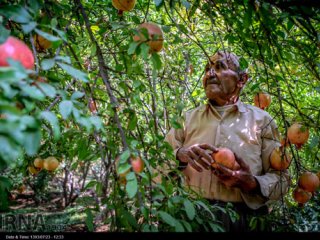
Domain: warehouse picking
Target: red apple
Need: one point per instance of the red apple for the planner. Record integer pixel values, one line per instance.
(18, 51)
(137, 164)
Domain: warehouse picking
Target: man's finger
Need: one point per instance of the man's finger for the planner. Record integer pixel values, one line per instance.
(224, 170)
(194, 165)
(206, 146)
(206, 157)
(192, 154)
(196, 159)
(203, 163)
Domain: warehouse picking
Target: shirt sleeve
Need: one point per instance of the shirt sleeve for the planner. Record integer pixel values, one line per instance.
(273, 183)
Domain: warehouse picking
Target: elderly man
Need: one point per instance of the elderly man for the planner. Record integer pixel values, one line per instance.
(248, 131)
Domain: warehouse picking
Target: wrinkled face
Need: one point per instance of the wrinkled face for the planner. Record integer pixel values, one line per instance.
(221, 80)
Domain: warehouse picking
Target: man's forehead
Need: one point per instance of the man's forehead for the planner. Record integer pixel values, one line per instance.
(230, 58)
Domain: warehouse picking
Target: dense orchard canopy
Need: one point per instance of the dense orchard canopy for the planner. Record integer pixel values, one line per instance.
(96, 97)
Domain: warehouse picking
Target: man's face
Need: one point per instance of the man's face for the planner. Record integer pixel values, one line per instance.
(221, 81)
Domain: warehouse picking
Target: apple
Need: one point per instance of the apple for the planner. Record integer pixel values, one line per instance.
(18, 51)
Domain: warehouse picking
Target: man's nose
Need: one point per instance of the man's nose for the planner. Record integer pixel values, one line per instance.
(211, 72)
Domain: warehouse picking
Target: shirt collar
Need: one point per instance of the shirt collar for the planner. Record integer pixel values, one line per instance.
(240, 106)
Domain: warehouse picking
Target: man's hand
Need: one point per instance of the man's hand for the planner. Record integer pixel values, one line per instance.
(241, 178)
(197, 156)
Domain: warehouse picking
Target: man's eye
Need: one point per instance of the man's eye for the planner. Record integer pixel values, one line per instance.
(221, 65)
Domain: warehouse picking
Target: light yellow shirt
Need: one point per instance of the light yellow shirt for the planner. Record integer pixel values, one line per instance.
(249, 132)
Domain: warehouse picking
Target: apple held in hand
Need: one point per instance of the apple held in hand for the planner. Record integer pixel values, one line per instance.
(225, 157)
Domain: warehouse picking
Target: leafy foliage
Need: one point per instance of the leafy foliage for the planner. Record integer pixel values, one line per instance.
(139, 96)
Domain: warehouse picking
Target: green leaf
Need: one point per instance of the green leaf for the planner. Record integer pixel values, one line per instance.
(183, 28)
(30, 122)
(186, 4)
(190, 210)
(203, 205)
(32, 92)
(65, 59)
(243, 63)
(167, 218)
(132, 47)
(136, 83)
(54, 22)
(118, 25)
(93, 50)
(65, 108)
(314, 142)
(47, 64)
(4, 203)
(156, 61)
(76, 113)
(136, 19)
(158, 3)
(119, 67)
(74, 72)
(8, 150)
(96, 122)
(90, 184)
(186, 225)
(47, 36)
(5, 183)
(131, 176)
(194, 7)
(62, 34)
(124, 156)
(122, 168)
(52, 119)
(145, 50)
(178, 227)
(32, 142)
(89, 220)
(86, 201)
(16, 65)
(8, 92)
(48, 89)
(133, 121)
(247, 19)
(216, 228)
(130, 218)
(10, 75)
(16, 13)
(34, 5)
(4, 34)
(175, 124)
(76, 95)
(132, 186)
(28, 27)
(99, 188)
(5, 187)
(83, 121)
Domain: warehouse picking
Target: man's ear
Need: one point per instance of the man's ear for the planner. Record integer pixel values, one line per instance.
(243, 80)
